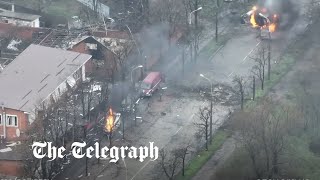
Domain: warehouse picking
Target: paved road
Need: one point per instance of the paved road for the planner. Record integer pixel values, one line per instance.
(170, 122)
(279, 44)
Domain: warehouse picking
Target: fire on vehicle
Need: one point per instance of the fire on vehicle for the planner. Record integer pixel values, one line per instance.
(112, 121)
(270, 15)
(258, 18)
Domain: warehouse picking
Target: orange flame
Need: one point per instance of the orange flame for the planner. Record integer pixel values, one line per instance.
(252, 17)
(254, 8)
(109, 121)
(272, 27)
(253, 21)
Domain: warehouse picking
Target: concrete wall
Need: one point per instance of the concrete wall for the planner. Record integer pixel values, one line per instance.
(18, 22)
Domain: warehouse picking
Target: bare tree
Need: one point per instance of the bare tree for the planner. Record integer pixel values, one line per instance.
(261, 61)
(169, 163)
(309, 107)
(240, 86)
(50, 125)
(203, 125)
(313, 10)
(181, 153)
(120, 58)
(170, 13)
(263, 133)
(85, 94)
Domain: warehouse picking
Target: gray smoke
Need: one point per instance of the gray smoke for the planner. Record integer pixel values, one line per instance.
(288, 10)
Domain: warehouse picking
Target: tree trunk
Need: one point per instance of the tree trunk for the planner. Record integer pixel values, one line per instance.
(207, 135)
(262, 80)
(217, 20)
(191, 52)
(242, 99)
(269, 56)
(275, 163)
(211, 114)
(183, 60)
(183, 166)
(195, 50)
(254, 88)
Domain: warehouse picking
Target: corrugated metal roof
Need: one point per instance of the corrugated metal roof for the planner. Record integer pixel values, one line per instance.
(35, 74)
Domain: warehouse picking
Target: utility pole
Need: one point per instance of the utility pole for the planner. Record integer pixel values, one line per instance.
(4, 119)
(145, 63)
(254, 88)
(85, 136)
(183, 60)
(135, 117)
(211, 114)
(269, 56)
(196, 15)
(123, 119)
(217, 19)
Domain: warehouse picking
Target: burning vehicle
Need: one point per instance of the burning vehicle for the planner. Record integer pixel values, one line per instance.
(271, 15)
(120, 101)
(112, 121)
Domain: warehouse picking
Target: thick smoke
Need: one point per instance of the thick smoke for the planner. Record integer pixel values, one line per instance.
(288, 10)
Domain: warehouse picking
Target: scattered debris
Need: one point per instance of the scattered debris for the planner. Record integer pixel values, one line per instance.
(13, 44)
(8, 149)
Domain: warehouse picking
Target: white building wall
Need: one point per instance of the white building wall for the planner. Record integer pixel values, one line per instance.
(35, 23)
(83, 72)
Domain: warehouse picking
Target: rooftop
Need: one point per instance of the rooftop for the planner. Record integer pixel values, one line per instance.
(35, 74)
(22, 16)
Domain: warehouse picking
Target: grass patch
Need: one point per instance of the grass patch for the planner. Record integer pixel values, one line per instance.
(207, 51)
(66, 9)
(198, 161)
(277, 72)
(301, 160)
(236, 167)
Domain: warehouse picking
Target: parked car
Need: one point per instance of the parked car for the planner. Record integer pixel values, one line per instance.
(151, 83)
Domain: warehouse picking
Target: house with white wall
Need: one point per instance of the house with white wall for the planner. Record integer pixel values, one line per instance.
(20, 19)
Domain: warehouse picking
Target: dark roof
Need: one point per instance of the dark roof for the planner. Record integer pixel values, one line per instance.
(35, 74)
(22, 16)
(111, 34)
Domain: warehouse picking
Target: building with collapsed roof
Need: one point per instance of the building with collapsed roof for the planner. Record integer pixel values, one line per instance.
(38, 76)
